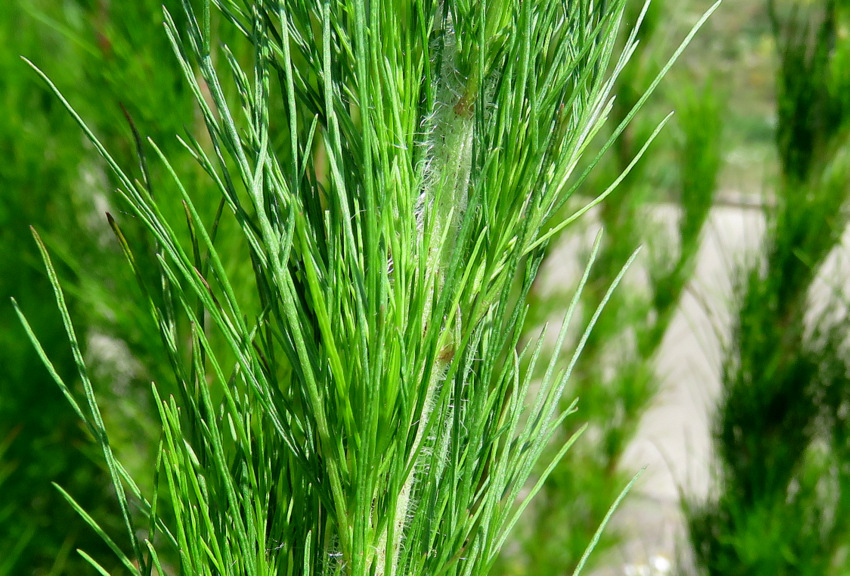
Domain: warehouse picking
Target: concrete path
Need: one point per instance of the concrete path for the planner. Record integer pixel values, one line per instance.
(673, 440)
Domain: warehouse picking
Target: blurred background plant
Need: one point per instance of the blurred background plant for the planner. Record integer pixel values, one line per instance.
(782, 486)
(116, 55)
(781, 428)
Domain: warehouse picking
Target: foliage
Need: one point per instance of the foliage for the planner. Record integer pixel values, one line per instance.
(42, 438)
(781, 426)
(364, 410)
(115, 58)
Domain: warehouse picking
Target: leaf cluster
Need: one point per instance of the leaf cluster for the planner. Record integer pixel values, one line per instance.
(393, 170)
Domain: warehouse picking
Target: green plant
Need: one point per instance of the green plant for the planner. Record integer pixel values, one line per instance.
(115, 56)
(110, 55)
(37, 529)
(365, 411)
(780, 429)
(615, 376)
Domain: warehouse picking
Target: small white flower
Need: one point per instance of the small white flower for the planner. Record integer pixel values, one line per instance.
(661, 564)
(636, 570)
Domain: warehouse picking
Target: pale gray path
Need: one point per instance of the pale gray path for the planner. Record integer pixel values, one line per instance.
(673, 440)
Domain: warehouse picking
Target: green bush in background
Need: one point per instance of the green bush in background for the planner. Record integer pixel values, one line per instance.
(781, 429)
(115, 56)
(40, 179)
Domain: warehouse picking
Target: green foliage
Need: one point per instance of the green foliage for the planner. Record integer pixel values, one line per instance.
(780, 430)
(113, 58)
(366, 409)
(42, 438)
